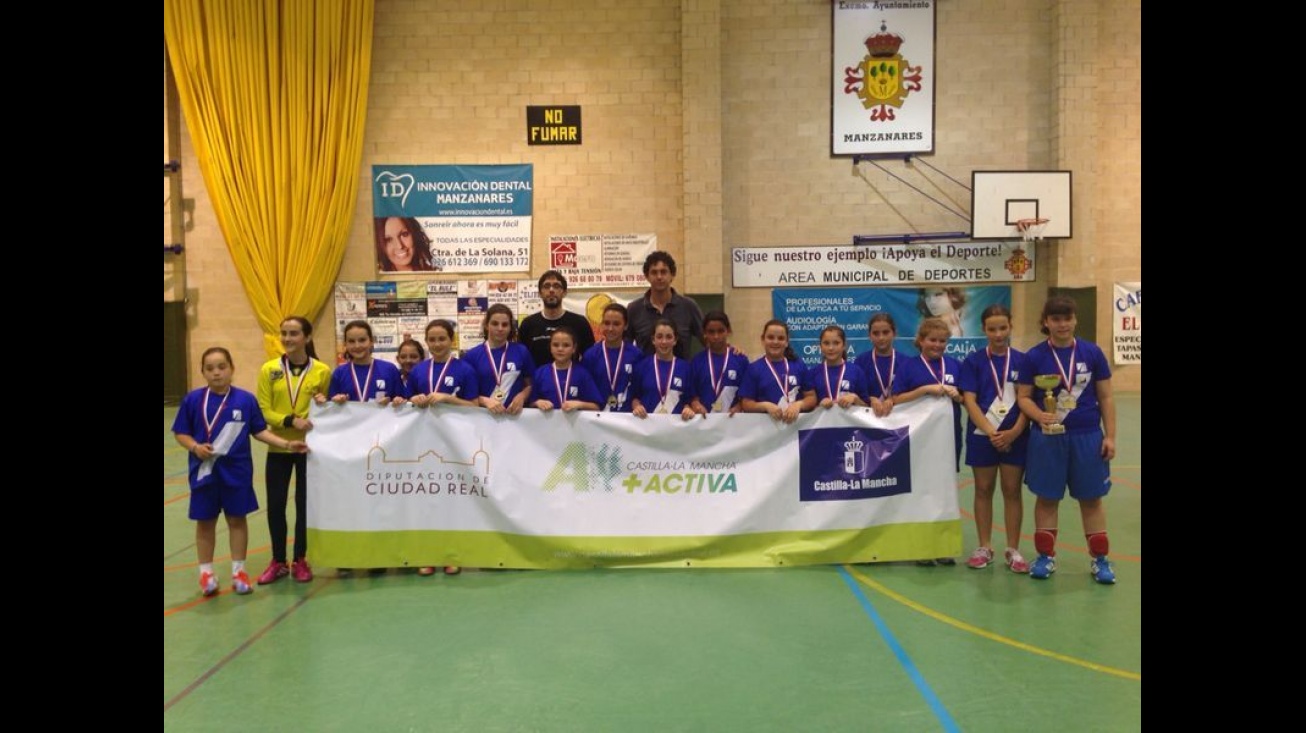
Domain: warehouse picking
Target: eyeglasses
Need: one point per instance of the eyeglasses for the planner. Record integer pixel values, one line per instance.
(552, 286)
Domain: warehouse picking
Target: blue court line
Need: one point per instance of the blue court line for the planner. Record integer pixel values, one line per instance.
(917, 678)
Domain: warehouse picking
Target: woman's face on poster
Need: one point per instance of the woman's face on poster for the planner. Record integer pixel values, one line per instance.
(398, 244)
(938, 302)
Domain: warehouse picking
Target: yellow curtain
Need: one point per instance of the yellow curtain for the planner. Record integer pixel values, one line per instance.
(274, 93)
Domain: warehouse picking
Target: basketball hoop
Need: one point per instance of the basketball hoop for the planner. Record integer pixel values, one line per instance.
(1031, 229)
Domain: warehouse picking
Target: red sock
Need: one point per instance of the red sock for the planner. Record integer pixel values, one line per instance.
(1098, 544)
(1045, 541)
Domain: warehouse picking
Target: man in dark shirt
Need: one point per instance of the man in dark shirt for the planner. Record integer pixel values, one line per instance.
(662, 301)
(537, 328)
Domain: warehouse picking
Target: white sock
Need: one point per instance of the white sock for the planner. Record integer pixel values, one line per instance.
(237, 566)
(206, 567)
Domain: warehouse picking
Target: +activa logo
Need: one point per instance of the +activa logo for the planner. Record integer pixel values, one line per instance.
(584, 468)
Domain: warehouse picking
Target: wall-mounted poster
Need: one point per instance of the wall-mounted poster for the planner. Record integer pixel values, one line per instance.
(452, 218)
(808, 312)
(883, 77)
(1127, 326)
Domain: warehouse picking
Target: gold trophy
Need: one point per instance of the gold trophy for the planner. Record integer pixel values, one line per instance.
(1047, 383)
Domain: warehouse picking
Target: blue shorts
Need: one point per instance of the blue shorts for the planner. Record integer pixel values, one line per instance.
(1054, 462)
(981, 453)
(208, 501)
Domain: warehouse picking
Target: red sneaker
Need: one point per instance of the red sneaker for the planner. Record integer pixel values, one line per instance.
(208, 583)
(240, 583)
(301, 571)
(426, 570)
(276, 571)
(452, 570)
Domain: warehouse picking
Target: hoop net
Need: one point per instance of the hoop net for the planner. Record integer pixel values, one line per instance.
(1031, 229)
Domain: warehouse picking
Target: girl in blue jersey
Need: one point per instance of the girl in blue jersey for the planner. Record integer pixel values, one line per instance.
(931, 375)
(564, 384)
(503, 367)
(834, 383)
(661, 382)
(880, 364)
(214, 425)
(996, 441)
(443, 379)
(772, 383)
(364, 378)
(1078, 453)
(716, 372)
(409, 354)
(611, 362)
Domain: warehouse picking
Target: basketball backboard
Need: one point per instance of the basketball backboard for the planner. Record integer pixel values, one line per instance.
(1000, 198)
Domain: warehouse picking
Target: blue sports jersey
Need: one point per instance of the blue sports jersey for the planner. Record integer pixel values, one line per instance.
(914, 372)
(621, 360)
(581, 386)
(760, 381)
(674, 376)
(512, 357)
(729, 369)
(457, 379)
(349, 378)
(854, 381)
(977, 377)
(236, 468)
(408, 381)
(883, 366)
(1085, 364)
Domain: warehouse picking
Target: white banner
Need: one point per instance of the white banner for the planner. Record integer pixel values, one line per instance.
(1127, 327)
(395, 487)
(590, 261)
(882, 264)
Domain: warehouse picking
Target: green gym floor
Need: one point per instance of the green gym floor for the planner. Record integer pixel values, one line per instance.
(884, 647)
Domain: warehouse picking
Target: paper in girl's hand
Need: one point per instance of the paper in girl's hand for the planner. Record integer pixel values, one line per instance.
(221, 447)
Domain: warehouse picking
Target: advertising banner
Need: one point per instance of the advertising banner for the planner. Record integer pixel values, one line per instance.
(396, 487)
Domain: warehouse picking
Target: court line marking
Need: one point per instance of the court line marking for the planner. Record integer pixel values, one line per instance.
(917, 678)
(243, 646)
(991, 636)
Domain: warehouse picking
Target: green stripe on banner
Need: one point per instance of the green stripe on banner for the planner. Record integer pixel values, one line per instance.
(416, 548)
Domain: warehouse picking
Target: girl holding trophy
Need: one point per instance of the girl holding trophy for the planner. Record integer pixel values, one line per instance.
(1065, 390)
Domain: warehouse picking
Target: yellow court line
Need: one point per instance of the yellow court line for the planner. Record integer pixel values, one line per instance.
(956, 623)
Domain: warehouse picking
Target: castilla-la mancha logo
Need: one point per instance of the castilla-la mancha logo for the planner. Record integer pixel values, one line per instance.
(883, 78)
